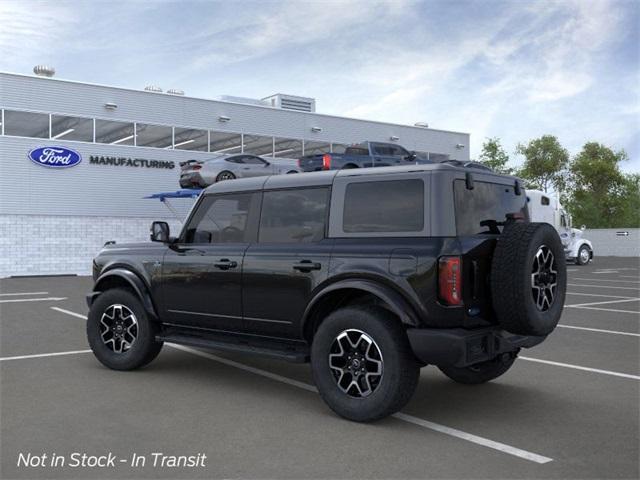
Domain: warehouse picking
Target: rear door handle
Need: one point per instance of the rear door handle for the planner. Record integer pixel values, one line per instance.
(225, 264)
(306, 266)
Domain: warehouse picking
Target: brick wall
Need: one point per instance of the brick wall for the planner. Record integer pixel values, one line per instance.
(43, 244)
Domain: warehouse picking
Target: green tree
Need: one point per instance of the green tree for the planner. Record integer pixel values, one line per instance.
(494, 156)
(545, 163)
(600, 195)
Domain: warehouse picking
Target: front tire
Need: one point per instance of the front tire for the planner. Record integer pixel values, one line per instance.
(481, 372)
(119, 331)
(362, 363)
(584, 255)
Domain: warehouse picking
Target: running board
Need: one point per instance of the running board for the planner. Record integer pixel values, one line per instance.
(298, 353)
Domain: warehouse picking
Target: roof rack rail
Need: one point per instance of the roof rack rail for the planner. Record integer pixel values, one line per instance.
(468, 164)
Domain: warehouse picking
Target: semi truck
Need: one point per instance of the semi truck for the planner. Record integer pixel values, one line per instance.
(546, 208)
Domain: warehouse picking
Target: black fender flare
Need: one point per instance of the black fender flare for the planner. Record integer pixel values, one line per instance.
(133, 280)
(394, 300)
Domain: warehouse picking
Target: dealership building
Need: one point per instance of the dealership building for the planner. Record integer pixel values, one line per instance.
(127, 144)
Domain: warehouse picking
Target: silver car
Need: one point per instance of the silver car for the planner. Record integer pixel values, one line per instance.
(202, 173)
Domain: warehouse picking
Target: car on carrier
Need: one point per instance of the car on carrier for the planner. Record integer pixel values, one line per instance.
(202, 173)
(368, 274)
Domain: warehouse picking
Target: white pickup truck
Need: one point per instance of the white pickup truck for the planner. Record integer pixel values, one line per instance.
(545, 208)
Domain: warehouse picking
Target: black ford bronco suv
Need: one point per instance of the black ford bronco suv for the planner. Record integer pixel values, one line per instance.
(369, 274)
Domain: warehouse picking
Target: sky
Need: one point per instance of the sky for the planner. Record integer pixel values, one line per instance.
(514, 70)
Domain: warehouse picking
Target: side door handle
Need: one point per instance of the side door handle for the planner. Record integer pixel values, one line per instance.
(225, 264)
(306, 266)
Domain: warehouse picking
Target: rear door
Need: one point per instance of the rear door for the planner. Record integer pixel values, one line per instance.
(202, 272)
(289, 260)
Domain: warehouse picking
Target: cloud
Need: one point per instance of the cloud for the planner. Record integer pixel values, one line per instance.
(32, 29)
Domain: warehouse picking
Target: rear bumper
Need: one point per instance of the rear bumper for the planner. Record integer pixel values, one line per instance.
(191, 180)
(460, 348)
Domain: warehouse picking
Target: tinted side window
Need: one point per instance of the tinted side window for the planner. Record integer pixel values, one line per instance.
(253, 160)
(221, 219)
(293, 216)
(486, 202)
(386, 206)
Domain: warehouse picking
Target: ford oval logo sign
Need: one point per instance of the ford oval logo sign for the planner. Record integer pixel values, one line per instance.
(55, 157)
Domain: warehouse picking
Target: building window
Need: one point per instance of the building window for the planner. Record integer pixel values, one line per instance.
(225, 142)
(114, 133)
(71, 128)
(157, 136)
(258, 145)
(338, 147)
(401, 211)
(190, 139)
(26, 124)
(287, 148)
(316, 148)
(293, 216)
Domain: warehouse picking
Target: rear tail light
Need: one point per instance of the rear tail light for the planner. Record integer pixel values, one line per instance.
(450, 280)
(326, 162)
(299, 163)
(196, 167)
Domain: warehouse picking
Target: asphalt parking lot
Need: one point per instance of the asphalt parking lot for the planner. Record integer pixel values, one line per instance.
(567, 409)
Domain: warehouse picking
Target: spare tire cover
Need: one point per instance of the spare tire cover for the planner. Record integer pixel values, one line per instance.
(528, 278)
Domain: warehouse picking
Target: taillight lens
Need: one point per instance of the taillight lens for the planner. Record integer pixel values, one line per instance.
(450, 280)
(326, 162)
(196, 167)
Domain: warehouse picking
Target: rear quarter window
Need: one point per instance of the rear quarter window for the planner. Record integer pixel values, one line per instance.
(486, 202)
(384, 206)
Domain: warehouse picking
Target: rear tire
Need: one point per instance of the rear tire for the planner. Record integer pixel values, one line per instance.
(119, 331)
(481, 372)
(529, 278)
(225, 175)
(362, 363)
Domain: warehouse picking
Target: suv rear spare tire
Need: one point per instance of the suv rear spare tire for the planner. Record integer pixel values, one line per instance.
(528, 278)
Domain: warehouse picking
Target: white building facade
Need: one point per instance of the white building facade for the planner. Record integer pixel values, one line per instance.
(129, 144)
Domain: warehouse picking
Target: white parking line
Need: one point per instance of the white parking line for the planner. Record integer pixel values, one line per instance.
(469, 437)
(606, 280)
(533, 457)
(602, 303)
(596, 295)
(604, 286)
(633, 312)
(23, 293)
(41, 355)
(628, 276)
(47, 299)
(578, 367)
(599, 330)
(68, 312)
(605, 272)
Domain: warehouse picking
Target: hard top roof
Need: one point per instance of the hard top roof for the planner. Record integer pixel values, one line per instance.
(313, 179)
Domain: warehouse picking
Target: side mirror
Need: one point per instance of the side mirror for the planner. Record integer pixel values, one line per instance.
(412, 156)
(159, 232)
(266, 164)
